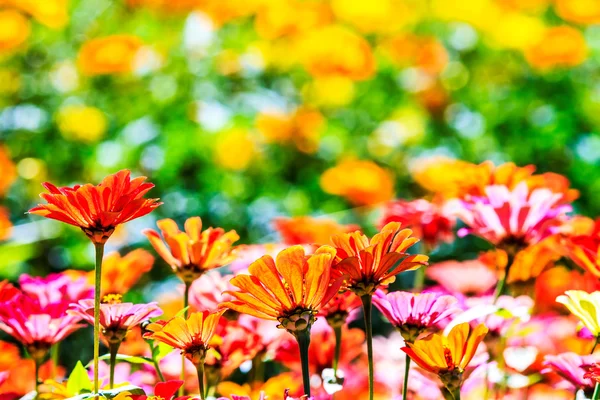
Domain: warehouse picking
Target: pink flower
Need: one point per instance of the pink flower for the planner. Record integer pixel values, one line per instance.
(465, 277)
(413, 313)
(340, 308)
(508, 218)
(56, 292)
(424, 218)
(512, 309)
(569, 367)
(206, 292)
(116, 319)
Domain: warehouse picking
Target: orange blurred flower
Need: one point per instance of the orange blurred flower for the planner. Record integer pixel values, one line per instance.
(302, 128)
(97, 210)
(273, 388)
(119, 274)
(372, 263)
(360, 182)
(338, 309)
(578, 11)
(9, 171)
(14, 30)
(192, 335)
(378, 16)
(109, 55)
(309, 230)
(555, 281)
(320, 52)
(5, 224)
(52, 13)
(290, 18)
(290, 289)
(427, 53)
(469, 277)
(17, 385)
(561, 46)
(585, 251)
(193, 252)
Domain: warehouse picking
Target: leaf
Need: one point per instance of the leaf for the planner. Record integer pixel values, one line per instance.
(129, 359)
(111, 394)
(79, 380)
(163, 351)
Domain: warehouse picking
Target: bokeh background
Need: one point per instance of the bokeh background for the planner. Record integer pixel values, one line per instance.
(244, 110)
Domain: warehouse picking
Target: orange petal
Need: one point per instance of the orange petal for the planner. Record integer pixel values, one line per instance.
(291, 264)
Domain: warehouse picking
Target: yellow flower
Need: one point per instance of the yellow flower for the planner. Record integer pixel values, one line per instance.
(14, 30)
(234, 149)
(109, 55)
(481, 14)
(378, 16)
(334, 91)
(289, 18)
(81, 123)
(302, 128)
(585, 306)
(517, 31)
(561, 46)
(52, 13)
(579, 11)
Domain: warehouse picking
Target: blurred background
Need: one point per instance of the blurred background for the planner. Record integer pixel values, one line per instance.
(244, 110)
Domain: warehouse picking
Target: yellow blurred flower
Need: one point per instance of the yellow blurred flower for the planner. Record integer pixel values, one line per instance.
(360, 182)
(223, 11)
(530, 6)
(335, 91)
(517, 31)
(14, 30)
(481, 14)
(585, 306)
(289, 18)
(10, 79)
(561, 46)
(109, 55)
(51, 13)
(234, 149)
(426, 53)
(302, 128)
(9, 171)
(579, 11)
(5, 224)
(336, 51)
(378, 16)
(81, 123)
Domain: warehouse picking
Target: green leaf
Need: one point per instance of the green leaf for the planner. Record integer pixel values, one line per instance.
(79, 380)
(163, 350)
(129, 359)
(109, 394)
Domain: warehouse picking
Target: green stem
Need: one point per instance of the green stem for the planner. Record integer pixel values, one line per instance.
(501, 285)
(367, 308)
(406, 373)
(186, 296)
(338, 348)
(54, 356)
(419, 279)
(97, 292)
(448, 395)
(200, 370)
(596, 395)
(303, 339)
(257, 373)
(114, 349)
(155, 362)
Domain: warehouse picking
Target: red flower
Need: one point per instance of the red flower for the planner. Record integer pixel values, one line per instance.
(162, 390)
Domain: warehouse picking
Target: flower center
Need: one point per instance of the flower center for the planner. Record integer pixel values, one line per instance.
(448, 358)
(112, 299)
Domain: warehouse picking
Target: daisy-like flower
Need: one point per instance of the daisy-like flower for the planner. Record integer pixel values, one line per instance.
(470, 277)
(584, 250)
(585, 306)
(337, 310)
(97, 210)
(56, 292)
(207, 292)
(448, 356)
(570, 366)
(372, 263)
(413, 313)
(162, 390)
(120, 273)
(309, 230)
(193, 252)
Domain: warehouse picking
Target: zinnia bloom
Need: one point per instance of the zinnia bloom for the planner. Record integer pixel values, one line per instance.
(413, 313)
(291, 289)
(339, 308)
(469, 277)
(207, 292)
(578, 11)
(16, 30)
(570, 367)
(163, 391)
(55, 292)
(302, 128)
(194, 251)
(109, 55)
(309, 230)
(447, 356)
(370, 264)
(97, 210)
(120, 274)
(584, 250)
(585, 306)
(592, 372)
(561, 46)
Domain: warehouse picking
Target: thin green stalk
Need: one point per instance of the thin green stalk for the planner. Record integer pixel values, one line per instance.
(596, 395)
(367, 308)
(338, 348)
(186, 296)
(54, 356)
(257, 374)
(303, 339)
(419, 279)
(154, 361)
(501, 286)
(448, 395)
(406, 373)
(97, 292)
(200, 370)
(114, 349)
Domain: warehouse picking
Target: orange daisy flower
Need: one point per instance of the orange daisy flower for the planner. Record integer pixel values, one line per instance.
(290, 289)
(119, 274)
(447, 356)
(192, 335)
(194, 251)
(370, 264)
(97, 210)
(309, 230)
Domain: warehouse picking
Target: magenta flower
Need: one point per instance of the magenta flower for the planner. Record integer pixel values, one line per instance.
(56, 292)
(116, 319)
(507, 218)
(570, 367)
(413, 313)
(206, 292)
(470, 277)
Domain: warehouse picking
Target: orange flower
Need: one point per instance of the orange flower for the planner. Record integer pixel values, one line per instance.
(561, 46)
(290, 18)
(9, 172)
(194, 251)
(302, 128)
(5, 224)
(14, 30)
(192, 335)
(579, 11)
(370, 264)
(119, 274)
(360, 182)
(585, 251)
(309, 230)
(426, 53)
(109, 55)
(555, 281)
(291, 289)
(447, 356)
(97, 210)
(52, 13)
(273, 389)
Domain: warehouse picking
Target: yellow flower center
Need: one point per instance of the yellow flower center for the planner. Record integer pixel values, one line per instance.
(155, 398)
(113, 299)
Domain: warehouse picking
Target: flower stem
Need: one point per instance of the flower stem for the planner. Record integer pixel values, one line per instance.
(97, 292)
(406, 372)
(200, 370)
(449, 395)
(154, 361)
(114, 349)
(419, 279)
(501, 285)
(54, 355)
(367, 308)
(596, 395)
(338, 348)
(186, 296)
(303, 338)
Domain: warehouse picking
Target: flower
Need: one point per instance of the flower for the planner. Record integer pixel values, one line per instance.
(569, 367)
(194, 251)
(162, 390)
(578, 11)
(584, 250)
(120, 274)
(561, 46)
(109, 55)
(301, 127)
(276, 19)
(447, 356)
(470, 277)
(585, 306)
(51, 13)
(290, 289)
(206, 293)
(55, 292)
(309, 230)
(234, 149)
(372, 263)
(272, 389)
(360, 182)
(423, 217)
(192, 335)
(9, 171)
(97, 210)
(116, 318)
(14, 30)
(5, 224)
(555, 281)
(426, 53)
(592, 372)
(511, 219)
(413, 313)
(81, 123)
(337, 310)
(379, 16)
